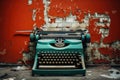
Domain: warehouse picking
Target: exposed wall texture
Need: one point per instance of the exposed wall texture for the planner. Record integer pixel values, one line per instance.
(99, 17)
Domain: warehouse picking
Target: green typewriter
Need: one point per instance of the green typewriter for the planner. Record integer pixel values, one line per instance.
(59, 53)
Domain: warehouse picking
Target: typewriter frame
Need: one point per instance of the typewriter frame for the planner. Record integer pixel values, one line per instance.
(60, 72)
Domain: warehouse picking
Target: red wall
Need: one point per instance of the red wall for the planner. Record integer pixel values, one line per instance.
(17, 15)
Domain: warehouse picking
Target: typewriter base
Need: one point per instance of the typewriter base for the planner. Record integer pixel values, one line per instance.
(60, 72)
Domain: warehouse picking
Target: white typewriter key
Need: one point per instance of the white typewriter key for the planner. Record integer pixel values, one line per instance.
(53, 56)
(40, 62)
(59, 56)
(73, 59)
(68, 62)
(66, 59)
(62, 57)
(45, 59)
(77, 60)
(70, 59)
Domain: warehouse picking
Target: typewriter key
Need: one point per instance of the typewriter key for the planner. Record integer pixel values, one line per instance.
(57, 59)
(65, 62)
(40, 62)
(43, 62)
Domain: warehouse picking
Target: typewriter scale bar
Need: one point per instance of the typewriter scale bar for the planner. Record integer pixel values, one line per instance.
(56, 66)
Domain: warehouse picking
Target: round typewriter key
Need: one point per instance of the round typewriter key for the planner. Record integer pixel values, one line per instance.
(40, 62)
(60, 59)
(71, 62)
(68, 56)
(70, 59)
(73, 59)
(42, 54)
(66, 59)
(53, 56)
(54, 59)
(41, 59)
(65, 62)
(59, 56)
(77, 60)
(68, 62)
(45, 59)
(57, 59)
(62, 56)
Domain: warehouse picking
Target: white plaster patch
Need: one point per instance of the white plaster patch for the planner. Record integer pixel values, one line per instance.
(34, 15)
(29, 2)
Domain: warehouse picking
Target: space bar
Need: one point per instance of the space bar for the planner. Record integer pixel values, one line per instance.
(57, 66)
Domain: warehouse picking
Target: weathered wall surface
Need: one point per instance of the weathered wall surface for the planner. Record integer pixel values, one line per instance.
(100, 18)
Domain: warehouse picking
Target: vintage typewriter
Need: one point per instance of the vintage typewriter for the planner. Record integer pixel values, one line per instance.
(59, 53)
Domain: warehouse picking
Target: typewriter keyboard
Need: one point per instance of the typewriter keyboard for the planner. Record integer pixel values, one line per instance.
(59, 60)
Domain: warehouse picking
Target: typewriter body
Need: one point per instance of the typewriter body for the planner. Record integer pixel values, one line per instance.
(59, 53)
